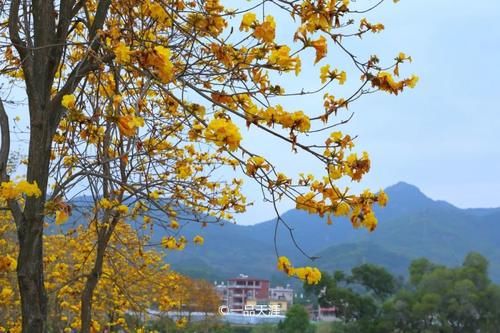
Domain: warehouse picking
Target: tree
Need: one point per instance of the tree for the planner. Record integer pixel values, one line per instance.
(445, 299)
(342, 292)
(419, 268)
(436, 299)
(296, 321)
(134, 280)
(140, 103)
(374, 278)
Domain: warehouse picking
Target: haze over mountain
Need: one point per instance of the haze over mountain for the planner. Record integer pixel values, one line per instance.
(411, 226)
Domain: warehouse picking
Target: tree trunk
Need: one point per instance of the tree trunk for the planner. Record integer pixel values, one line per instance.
(30, 277)
(30, 271)
(92, 280)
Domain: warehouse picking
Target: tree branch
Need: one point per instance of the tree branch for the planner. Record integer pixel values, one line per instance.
(5, 145)
(4, 160)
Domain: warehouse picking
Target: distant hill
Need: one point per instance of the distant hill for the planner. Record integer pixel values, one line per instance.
(411, 226)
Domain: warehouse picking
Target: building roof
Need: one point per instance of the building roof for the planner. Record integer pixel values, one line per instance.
(247, 279)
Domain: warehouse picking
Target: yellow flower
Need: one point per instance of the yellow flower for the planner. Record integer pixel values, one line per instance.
(61, 217)
(370, 221)
(266, 31)
(10, 190)
(254, 163)
(105, 203)
(385, 81)
(128, 124)
(174, 224)
(247, 21)
(31, 190)
(382, 198)
(281, 58)
(223, 132)
(122, 53)
(311, 275)
(412, 81)
(6, 293)
(68, 101)
(158, 13)
(155, 195)
(402, 57)
(306, 202)
(342, 209)
(284, 264)
(7, 263)
(334, 172)
(336, 136)
(342, 77)
(169, 242)
(324, 73)
(181, 322)
(160, 60)
(320, 46)
(122, 209)
(198, 240)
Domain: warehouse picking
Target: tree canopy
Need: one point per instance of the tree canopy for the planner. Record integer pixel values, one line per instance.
(435, 299)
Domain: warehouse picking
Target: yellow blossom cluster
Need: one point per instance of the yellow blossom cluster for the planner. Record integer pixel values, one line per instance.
(270, 116)
(247, 21)
(134, 278)
(386, 82)
(373, 27)
(68, 101)
(255, 163)
(224, 133)
(12, 190)
(325, 198)
(159, 59)
(328, 75)
(120, 208)
(122, 53)
(7, 263)
(266, 31)
(311, 275)
(280, 58)
(129, 124)
(171, 243)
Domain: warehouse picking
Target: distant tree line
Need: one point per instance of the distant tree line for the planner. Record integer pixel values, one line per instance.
(434, 299)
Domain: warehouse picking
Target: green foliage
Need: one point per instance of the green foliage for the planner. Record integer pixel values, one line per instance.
(296, 321)
(418, 268)
(374, 278)
(436, 299)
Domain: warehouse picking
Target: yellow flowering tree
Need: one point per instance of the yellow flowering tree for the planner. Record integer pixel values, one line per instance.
(134, 279)
(140, 104)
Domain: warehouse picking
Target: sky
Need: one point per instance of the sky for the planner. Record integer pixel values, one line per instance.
(442, 136)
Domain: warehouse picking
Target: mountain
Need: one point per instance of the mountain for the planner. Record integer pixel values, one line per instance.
(411, 226)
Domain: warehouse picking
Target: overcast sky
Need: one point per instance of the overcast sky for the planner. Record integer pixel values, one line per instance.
(443, 136)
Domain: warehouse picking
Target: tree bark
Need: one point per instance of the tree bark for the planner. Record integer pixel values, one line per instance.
(93, 279)
(30, 234)
(30, 277)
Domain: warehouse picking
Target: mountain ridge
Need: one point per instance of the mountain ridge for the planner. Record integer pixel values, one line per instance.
(412, 225)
